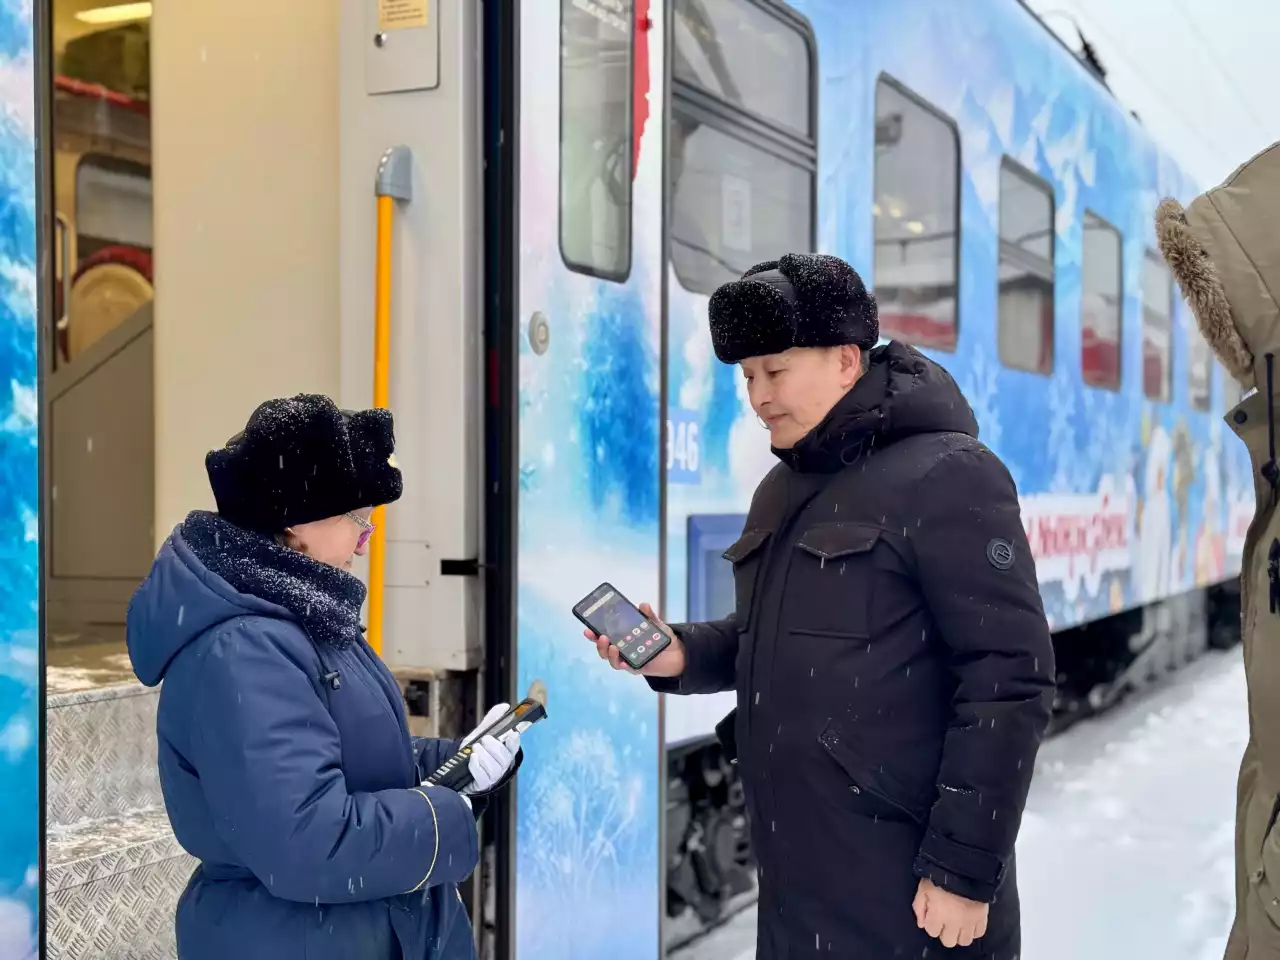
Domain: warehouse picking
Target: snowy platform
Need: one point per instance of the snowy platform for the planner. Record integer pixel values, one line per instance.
(1127, 843)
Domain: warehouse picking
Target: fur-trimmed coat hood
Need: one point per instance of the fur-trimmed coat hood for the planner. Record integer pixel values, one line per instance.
(1224, 251)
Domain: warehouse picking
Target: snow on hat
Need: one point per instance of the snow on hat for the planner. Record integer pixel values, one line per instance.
(302, 459)
(801, 300)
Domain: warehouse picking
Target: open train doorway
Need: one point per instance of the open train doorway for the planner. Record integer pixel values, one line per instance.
(98, 358)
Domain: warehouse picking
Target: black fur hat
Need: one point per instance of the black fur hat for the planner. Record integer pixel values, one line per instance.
(302, 459)
(802, 300)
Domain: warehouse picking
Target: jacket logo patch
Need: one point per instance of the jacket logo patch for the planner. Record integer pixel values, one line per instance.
(1000, 553)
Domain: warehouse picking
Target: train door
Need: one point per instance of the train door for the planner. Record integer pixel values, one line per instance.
(587, 184)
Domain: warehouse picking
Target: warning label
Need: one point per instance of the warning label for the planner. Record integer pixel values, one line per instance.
(402, 14)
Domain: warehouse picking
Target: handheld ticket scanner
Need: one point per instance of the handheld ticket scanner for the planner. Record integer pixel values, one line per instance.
(455, 773)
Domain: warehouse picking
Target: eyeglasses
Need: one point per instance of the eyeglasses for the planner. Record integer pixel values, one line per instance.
(366, 530)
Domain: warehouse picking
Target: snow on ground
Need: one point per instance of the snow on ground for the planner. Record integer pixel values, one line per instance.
(1126, 844)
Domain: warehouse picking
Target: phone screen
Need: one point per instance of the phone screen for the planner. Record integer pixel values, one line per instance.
(608, 613)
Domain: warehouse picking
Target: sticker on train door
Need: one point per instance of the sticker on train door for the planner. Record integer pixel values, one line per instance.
(684, 452)
(402, 14)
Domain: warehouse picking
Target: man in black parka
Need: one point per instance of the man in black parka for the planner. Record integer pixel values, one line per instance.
(889, 648)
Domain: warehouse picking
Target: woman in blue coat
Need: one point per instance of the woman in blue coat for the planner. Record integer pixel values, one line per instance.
(285, 758)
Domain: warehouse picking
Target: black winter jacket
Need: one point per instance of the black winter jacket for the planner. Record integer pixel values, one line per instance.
(894, 672)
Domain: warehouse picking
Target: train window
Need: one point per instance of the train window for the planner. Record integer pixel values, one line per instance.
(733, 204)
(917, 219)
(1157, 328)
(1101, 298)
(1199, 367)
(595, 136)
(1025, 308)
(741, 189)
(745, 55)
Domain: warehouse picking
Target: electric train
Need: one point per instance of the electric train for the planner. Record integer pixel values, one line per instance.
(562, 185)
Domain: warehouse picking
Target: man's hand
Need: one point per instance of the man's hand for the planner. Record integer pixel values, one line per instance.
(669, 663)
(947, 917)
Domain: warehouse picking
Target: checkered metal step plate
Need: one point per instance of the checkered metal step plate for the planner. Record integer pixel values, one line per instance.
(113, 887)
(102, 754)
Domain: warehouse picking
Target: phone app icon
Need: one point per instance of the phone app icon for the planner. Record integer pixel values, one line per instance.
(621, 644)
(644, 625)
(656, 636)
(636, 632)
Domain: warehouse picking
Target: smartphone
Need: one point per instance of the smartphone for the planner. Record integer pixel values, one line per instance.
(607, 613)
(455, 773)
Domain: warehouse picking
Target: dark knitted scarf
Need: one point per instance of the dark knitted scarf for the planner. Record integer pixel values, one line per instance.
(324, 599)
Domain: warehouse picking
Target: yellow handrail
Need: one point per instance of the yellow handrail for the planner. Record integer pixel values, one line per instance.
(393, 183)
(381, 398)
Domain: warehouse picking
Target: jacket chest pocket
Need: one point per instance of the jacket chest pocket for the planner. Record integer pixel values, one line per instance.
(830, 582)
(747, 557)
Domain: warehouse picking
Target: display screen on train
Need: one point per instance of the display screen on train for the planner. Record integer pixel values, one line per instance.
(710, 596)
(717, 587)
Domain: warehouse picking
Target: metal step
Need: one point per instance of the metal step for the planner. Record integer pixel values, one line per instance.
(102, 754)
(115, 871)
(112, 888)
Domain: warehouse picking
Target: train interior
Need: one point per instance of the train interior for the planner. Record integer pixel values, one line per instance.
(98, 376)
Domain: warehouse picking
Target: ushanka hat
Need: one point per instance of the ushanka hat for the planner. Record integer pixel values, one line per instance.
(302, 459)
(801, 300)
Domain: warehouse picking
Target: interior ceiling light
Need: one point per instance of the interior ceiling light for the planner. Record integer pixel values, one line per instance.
(119, 13)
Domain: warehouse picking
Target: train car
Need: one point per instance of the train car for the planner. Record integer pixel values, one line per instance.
(999, 200)
(533, 201)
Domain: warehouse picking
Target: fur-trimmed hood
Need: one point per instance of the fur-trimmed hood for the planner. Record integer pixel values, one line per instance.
(210, 571)
(1224, 251)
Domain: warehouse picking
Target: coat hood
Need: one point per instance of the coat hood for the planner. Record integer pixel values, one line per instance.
(902, 393)
(1224, 251)
(210, 571)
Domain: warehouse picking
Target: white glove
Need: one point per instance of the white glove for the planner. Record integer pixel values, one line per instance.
(491, 757)
(496, 711)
